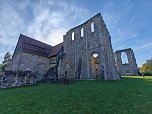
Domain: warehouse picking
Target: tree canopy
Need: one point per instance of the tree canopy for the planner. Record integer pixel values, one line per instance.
(147, 68)
(1, 67)
(6, 60)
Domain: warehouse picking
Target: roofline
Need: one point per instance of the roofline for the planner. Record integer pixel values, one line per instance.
(58, 51)
(99, 14)
(17, 45)
(58, 44)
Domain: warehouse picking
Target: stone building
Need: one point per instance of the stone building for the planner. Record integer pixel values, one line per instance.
(34, 56)
(86, 53)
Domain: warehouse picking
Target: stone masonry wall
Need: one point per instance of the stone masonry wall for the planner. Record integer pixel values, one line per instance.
(25, 61)
(82, 48)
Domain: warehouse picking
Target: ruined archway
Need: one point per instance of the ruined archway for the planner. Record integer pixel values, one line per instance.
(126, 62)
(95, 64)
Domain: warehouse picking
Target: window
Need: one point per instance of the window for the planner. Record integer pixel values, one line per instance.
(92, 27)
(72, 36)
(82, 32)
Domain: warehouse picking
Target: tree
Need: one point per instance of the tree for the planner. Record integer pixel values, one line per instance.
(7, 59)
(146, 68)
(149, 62)
(1, 67)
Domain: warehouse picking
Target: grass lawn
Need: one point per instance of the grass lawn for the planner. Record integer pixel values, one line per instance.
(131, 95)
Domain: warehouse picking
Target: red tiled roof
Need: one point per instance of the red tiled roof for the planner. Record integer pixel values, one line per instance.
(56, 49)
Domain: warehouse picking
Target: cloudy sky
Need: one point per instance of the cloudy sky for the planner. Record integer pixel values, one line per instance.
(128, 21)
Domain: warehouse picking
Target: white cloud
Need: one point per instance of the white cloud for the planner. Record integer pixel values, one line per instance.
(49, 25)
(46, 21)
(10, 25)
(45, 26)
(10, 20)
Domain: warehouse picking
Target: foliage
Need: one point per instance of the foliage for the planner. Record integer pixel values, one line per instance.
(146, 68)
(131, 95)
(149, 62)
(7, 59)
(1, 65)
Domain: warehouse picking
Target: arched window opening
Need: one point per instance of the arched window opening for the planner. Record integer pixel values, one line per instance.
(72, 36)
(92, 27)
(127, 72)
(82, 32)
(95, 55)
(124, 58)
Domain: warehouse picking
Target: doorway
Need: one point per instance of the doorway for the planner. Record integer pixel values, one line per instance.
(95, 64)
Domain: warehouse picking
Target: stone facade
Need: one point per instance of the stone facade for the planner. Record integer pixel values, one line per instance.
(25, 61)
(81, 43)
(127, 68)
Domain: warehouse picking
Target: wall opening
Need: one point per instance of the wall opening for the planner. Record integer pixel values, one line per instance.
(72, 36)
(127, 72)
(124, 58)
(95, 64)
(92, 27)
(82, 32)
(79, 68)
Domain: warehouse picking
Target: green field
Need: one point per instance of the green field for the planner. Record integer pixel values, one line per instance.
(130, 95)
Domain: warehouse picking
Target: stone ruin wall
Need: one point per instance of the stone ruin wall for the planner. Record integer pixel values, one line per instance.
(82, 48)
(24, 61)
(36, 65)
(131, 66)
